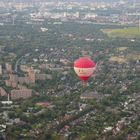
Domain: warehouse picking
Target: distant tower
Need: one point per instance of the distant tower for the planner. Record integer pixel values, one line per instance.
(77, 14)
(0, 69)
(8, 97)
(65, 14)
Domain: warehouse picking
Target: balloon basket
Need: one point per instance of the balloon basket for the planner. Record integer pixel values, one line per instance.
(84, 84)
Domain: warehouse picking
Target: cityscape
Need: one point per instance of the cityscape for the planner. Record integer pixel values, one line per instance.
(41, 95)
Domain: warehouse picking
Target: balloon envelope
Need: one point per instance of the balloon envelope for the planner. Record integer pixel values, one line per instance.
(84, 68)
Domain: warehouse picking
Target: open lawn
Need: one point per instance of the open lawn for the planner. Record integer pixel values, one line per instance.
(125, 33)
(133, 57)
(118, 59)
(127, 58)
(122, 48)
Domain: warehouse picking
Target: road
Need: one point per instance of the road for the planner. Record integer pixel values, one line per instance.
(17, 63)
(19, 60)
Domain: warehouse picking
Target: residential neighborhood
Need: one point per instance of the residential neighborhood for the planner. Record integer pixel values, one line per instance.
(41, 95)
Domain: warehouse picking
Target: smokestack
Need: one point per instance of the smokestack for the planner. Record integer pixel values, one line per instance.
(8, 97)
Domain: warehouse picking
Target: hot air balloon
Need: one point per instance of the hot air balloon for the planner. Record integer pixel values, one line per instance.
(84, 68)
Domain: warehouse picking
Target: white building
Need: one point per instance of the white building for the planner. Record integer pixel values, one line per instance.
(90, 16)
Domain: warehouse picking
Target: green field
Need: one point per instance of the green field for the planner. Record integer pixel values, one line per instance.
(126, 32)
(127, 58)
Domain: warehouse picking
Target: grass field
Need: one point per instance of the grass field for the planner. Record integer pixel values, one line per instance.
(125, 33)
(122, 48)
(127, 58)
(133, 57)
(118, 59)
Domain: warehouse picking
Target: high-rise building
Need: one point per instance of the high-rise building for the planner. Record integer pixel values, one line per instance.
(31, 75)
(8, 67)
(2, 92)
(77, 14)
